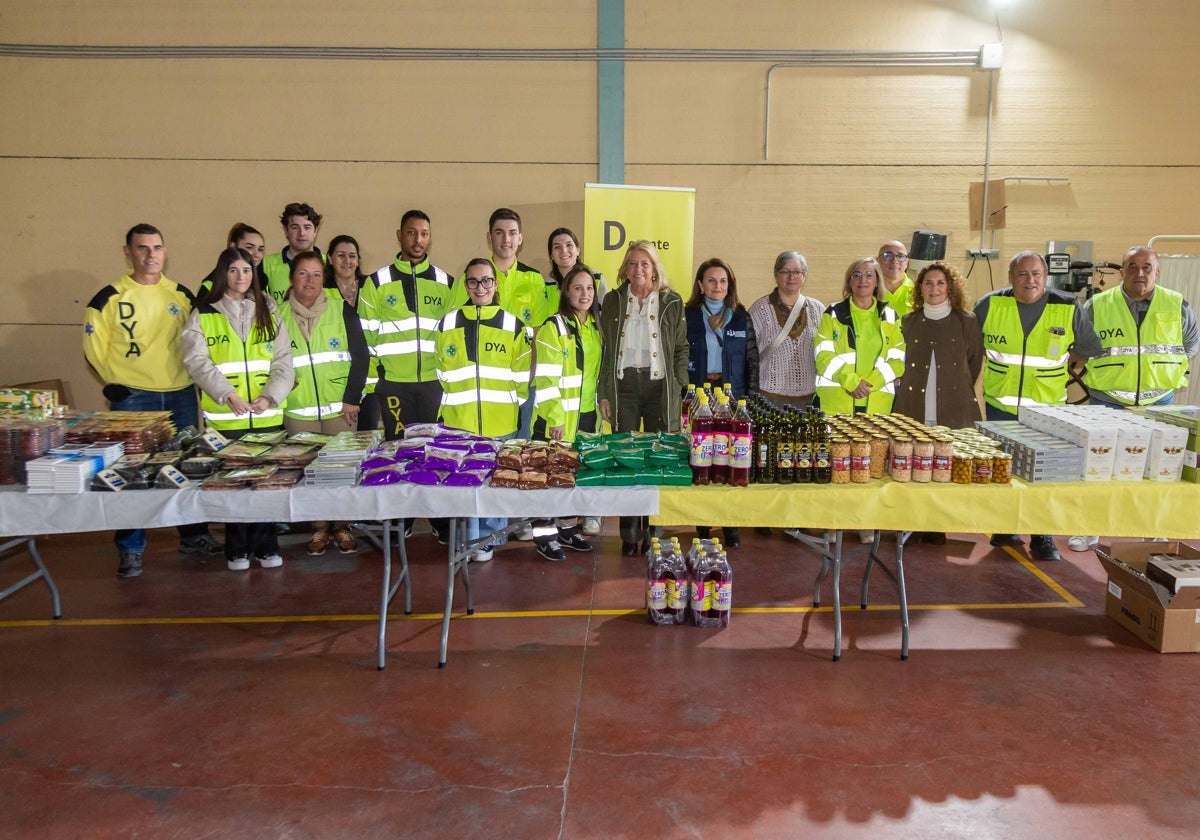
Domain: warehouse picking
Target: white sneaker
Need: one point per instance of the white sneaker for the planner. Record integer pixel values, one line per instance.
(866, 537)
(524, 535)
(591, 526)
(1082, 543)
(481, 555)
(238, 564)
(271, 561)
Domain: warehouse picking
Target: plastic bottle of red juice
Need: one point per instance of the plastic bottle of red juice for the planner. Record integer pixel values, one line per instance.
(741, 446)
(701, 457)
(722, 428)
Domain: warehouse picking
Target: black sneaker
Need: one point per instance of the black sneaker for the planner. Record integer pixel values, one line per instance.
(575, 543)
(440, 537)
(130, 565)
(200, 544)
(552, 551)
(1042, 547)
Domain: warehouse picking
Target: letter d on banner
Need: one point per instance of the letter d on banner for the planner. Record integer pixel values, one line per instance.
(615, 215)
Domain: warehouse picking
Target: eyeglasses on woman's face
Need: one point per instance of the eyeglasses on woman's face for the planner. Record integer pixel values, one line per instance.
(480, 282)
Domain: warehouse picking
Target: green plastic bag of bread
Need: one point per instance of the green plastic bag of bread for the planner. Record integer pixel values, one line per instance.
(591, 478)
(620, 477)
(678, 475)
(631, 457)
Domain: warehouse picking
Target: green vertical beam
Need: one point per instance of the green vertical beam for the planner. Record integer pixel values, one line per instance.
(610, 92)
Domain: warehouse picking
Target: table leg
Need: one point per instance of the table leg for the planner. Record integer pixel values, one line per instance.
(900, 538)
(42, 573)
(402, 545)
(837, 596)
(385, 597)
(831, 563)
(897, 577)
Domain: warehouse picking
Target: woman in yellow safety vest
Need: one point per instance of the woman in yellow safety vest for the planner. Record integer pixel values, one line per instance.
(859, 347)
(238, 353)
(344, 270)
(329, 356)
(566, 373)
(483, 364)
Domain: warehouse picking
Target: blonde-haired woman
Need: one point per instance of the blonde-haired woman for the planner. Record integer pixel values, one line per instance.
(859, 347)
(643, 370)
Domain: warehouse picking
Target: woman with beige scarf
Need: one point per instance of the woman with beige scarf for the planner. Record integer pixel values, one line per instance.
(329, 355)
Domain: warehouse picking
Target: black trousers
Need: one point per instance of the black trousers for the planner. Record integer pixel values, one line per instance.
(569, 524)
(256, 539)
(401, 403)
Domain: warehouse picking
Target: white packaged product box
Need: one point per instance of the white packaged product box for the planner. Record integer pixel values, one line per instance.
(1164, 461)
(1131, 451)
(1099, 442)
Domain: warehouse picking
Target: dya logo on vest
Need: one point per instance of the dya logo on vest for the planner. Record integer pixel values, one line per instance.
(1116, 332)
(214, 340)
(991, 338)
(495, 347)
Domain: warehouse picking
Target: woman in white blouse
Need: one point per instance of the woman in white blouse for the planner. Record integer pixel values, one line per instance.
(643, 370)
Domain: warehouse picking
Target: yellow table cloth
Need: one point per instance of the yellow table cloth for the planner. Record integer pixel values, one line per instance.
(1111, 508)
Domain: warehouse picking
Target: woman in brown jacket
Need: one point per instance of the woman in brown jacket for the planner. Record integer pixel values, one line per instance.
(943, 356)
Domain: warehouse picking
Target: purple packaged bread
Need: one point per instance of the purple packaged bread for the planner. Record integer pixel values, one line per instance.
(467, 478)
(378, 462)
(479, 462)
(380, 476)
(424, 476)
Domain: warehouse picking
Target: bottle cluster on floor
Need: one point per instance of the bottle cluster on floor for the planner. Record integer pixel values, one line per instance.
(696, 586)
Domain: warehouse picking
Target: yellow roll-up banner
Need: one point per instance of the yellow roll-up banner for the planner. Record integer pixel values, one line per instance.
(615, 215)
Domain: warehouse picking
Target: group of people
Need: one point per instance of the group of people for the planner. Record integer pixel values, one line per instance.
(304, 341)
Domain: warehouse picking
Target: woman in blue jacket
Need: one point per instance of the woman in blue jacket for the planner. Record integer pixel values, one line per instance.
(721, 345)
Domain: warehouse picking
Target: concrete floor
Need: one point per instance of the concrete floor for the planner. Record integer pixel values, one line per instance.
(198, 702)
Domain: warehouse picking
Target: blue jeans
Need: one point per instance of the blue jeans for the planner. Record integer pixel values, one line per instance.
(185, 411)
(1166, 399)
(486, 525)
(990, 412)
(525, 415)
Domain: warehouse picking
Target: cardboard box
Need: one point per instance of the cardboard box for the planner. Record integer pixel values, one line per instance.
(1189, 471)
(61, 389)
(24, 399)
(1168, 624)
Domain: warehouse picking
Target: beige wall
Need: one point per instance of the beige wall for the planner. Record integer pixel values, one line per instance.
(1100, 91)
